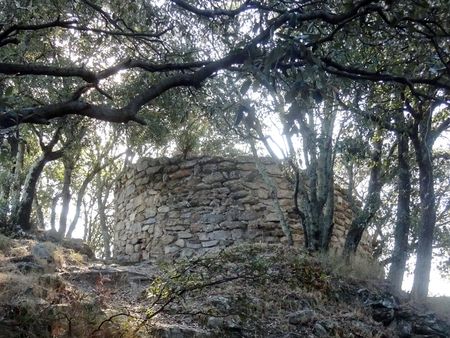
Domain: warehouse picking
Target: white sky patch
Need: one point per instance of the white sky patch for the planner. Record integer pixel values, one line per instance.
(439, 286)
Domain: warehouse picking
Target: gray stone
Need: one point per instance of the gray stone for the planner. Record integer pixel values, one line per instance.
(152, 170)
(213, 178)
(212, 218)
(187, 253)
(129, 249)
(150, 220)
(203, 236)
(130, 189)
(193, 245)
(150, 212)
(184, 235)
(237, 233)
(180, 243)
(44, 251)
(170, 249)
(219, 235)
(176, 228)
(320, 331)
(163, 208)
(223, 304)
(272, 217)
(301, 317)
(135, 257)
(208, 244)
(167, 239)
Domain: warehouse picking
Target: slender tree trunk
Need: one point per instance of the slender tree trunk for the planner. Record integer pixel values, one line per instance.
(351, 184)
(81, 194)
(80, 197)
(6, 184)
(400, 253)
(423, 150)
(23, 214)
(371, 205)
(68, 170)
(40, 224)
(16, 181)
(326, 179)
(87, 224)
(53, 211)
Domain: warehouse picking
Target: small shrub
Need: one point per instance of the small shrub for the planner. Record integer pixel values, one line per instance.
(75, 258)
(5, 244)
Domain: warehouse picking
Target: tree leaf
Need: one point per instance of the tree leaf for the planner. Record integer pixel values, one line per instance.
(9, 91)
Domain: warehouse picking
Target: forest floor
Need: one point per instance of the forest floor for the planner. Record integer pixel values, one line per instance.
(49, 290)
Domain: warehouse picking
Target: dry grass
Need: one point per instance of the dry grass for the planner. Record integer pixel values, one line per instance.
(74, 258)
(15, 286)
(359, 268)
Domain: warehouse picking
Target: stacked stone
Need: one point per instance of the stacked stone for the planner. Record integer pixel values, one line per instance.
(181, 207)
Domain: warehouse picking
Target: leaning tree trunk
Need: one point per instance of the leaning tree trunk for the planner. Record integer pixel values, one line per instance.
(371, 205)
(423, 150)
(80, 197)
(400, 253)
(98, 168)
(23, 214)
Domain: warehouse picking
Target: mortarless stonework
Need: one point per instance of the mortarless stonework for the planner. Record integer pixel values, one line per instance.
(178, 208)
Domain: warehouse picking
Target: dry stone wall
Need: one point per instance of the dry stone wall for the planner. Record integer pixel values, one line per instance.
(175, 207)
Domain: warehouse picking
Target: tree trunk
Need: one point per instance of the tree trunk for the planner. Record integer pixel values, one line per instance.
(80, 197)
(53, 211)
(68, 169)
(16, 181)
(371, 205)
(423, 150)
(23, 214)
(6, 184)
(40, 223)
(98, 168)
(400, 253)
(326, 178)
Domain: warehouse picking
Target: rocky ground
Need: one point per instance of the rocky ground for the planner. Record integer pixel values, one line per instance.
(49, 290)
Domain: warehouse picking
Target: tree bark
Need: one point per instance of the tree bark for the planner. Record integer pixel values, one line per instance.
(423, 149)
(55, 200)
(12, 145)
(16, 181)
(69, 165)
(29, 189)
(40, 223)
(400, 253)
(371, 205)
(80, 197)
